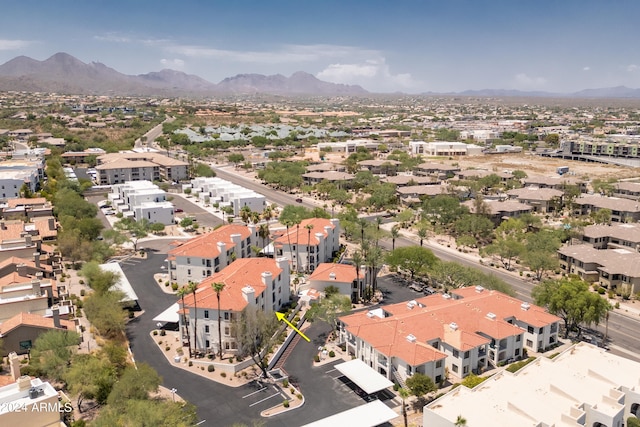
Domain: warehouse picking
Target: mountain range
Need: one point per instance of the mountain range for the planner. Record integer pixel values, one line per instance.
(63, 73)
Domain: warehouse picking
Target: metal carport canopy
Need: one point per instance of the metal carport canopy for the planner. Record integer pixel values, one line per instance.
(170, 315)
(368, 415)
(363, 376)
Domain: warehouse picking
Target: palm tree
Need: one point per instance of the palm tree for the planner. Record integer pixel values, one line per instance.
(267, 213)
(191, 288)
(263, 233)
(217, 288)
(358, 259)
(404, 394)
(181, 293)
(288, 223)
(309, 227)
(297, 247)
(245, 214)
(395, 233)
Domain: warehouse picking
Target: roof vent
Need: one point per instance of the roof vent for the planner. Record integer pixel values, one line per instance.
(446, 296)
(491, 316)
(479, 288)
(453, 326)
(411, 338)
(525, 306)
(411, 304)
(370, 314)
(332, 276)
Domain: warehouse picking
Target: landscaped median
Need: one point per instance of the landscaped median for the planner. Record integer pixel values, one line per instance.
(294, 399)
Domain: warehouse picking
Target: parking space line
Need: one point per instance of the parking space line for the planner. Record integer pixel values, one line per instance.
(266, 398)
(326, 372)
(251, 394)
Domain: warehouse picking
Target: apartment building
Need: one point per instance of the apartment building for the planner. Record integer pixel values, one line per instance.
(627, 190)
(225, 193)
(438, 170)
(615, 269)
(444, 148)
(142, 200)
(499, 210)
(117, 168)
(344, 277)
(308, 244)
(464, 332)
(380, 167)
(205, 255)
(31, 402)
(16, 173)
(622, 210)
(543, 200)
(555, 182)
(582, 386)
(614, 236)
(255, 282)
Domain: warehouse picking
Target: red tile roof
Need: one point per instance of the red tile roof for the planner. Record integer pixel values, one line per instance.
(33, 320)
(237, 275)
(342, 273)
(431, 318)
(299, 235)
(206, 246)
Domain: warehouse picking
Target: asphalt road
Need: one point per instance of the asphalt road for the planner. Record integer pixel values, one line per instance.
(217, 404)
(623, 330)
(203, 217)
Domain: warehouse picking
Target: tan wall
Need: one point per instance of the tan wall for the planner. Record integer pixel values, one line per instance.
(11, 342)
(34, 306)
(33, 418)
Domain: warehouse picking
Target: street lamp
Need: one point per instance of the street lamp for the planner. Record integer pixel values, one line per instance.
(173, 393)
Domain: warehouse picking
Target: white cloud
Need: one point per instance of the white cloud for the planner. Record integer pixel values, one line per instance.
(373, 74)
(528, 82)
(13, 44)
(113, 38)
(587, 68)
(633, 68)
(279, 55)
(173, 63)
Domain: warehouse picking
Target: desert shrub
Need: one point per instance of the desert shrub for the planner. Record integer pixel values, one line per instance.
(285, 403)
(332, 354)
(211, 368)
(316, 358)
(223, 375)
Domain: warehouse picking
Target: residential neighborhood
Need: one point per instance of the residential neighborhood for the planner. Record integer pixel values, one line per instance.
(387, 268)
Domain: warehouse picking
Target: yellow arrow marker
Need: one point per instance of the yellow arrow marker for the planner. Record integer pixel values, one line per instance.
(281, 316)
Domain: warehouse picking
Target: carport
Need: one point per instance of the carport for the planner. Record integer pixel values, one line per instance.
(170, 315)
(363, 376)
(367, 415)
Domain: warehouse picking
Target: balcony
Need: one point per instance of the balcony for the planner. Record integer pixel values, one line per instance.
(482, 352)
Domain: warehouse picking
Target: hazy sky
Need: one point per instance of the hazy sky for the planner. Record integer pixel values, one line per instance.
(411, 46)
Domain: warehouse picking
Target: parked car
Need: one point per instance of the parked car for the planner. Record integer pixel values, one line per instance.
(178, 210)
(299, 200)
(415, 287)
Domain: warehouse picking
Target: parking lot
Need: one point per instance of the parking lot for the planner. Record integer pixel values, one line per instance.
(263, 396)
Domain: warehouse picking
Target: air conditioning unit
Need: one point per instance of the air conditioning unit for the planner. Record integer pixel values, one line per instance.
(491, 316)
(525, 306)
(411, 338)
(453, 326)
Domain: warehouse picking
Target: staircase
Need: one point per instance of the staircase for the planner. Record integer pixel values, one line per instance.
(398, 378)
(287, 352)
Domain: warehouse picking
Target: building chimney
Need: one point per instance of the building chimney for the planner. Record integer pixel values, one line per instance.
(55, 311)
(24, 383)
(35, 287)
(39, 275)
(36, 259)
(267, 279)
(21, 269)
(3, 226)
(14, 365)
(28, 240)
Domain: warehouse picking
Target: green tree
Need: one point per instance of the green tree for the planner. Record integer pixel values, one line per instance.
(420, 384)
(136, 230)
(135, 383)
(105, 312)
(395, 233)
(148, 413)
(329, 308)
(414, 259)
(460, 421)
(480, 227)
(157, 227)
(218, 287)
(570, 299)
(183, 292)
(506, 248)
(236, 158)
(443, 210)
(98, 279)
(633, 421)
(540, 254)
(90, 377)
(52, 351)
(472, 380)
(254, 331)
(601, 216)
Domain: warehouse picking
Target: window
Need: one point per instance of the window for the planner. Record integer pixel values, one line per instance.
(517, 352)
(439, 364)
(530, 329)
(465, 370)
(189, 272)
(188, 260)
(206, 330)
(206, 314)
(207, 344)
(529, 343)
(518, 338)
(438, 379)
(454, 368)
(456, 353)
(227, 331)
(540, 330)
(466, 354)
(226, 315)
